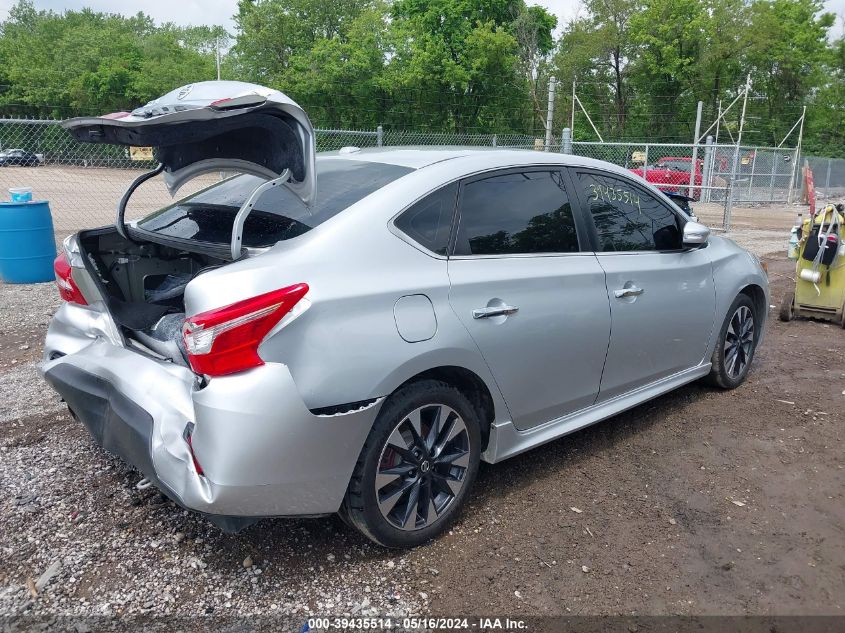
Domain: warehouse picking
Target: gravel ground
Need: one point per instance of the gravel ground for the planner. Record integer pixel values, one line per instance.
(74, 522)
(700, 502)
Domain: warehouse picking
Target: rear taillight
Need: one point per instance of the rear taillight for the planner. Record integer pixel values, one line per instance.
(67, 287)
(225, 340)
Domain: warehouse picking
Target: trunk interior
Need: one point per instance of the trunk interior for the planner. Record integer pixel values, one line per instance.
(143, 285)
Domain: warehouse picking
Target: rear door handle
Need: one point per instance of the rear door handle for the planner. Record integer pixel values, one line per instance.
(493, 311)
(631, 291)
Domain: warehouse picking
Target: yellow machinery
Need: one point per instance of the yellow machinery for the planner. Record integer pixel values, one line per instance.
(820, 268)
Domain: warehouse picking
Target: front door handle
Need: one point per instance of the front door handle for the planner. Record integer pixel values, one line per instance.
(631, 291)
(493, 311)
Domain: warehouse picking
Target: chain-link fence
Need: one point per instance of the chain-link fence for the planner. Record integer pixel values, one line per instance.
(720, 177)
(669, 166)
(83, 182)
(829, 177)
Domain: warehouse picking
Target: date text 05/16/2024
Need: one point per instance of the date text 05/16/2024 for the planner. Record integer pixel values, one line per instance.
(413, 623)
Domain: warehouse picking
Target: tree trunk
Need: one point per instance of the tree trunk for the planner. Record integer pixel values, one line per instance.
(620, 95)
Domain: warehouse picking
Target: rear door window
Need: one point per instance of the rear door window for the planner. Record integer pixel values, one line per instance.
(279, 214)
(628, 218)
(520, 212)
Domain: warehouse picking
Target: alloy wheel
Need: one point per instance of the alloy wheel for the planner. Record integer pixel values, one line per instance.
(739, 341)
(422, 467)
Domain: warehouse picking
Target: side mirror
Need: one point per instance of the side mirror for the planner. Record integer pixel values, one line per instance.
(695, 235)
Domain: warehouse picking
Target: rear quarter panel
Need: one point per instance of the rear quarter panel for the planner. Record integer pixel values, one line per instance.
(346, 346)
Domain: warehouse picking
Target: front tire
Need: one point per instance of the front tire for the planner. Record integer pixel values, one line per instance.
(736, 345)
(416, 467)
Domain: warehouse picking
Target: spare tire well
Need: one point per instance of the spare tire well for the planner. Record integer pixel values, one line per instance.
(469, 384)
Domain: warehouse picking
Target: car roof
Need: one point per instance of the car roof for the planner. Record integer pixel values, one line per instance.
(466, 161)
(411, 156)
(417, 157)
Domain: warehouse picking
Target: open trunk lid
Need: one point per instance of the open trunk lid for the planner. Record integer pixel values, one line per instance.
(216, 126)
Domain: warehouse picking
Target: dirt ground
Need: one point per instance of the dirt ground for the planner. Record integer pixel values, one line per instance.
(699, 502)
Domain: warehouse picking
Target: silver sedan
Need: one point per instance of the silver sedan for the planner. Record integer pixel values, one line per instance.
(355, 331)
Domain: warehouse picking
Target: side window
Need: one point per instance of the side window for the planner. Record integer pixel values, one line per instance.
(429, 221)
(515, 213)
(627, 218)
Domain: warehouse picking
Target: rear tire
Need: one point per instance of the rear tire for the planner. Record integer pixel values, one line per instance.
(416, 467)
(787, 307)
(736, 345)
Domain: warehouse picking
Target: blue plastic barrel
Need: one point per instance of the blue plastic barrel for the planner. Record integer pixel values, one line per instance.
(27, 244)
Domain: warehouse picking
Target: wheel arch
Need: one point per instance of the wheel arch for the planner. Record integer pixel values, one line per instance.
(736, 272)
(758, 298)
(468, 383)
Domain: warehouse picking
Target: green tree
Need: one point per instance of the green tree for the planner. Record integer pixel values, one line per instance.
(459, 64)
(786, 58)
(88, 62)
(271, 32)
(670, 37)
(825, 127)
(340, 80)
(596, 51)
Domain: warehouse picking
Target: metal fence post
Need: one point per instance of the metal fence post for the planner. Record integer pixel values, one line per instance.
(550, 114)
(707, 176)
(379, 136)
(775, 156)
(694, 161)
(726, 221)
(645, 161)
(495, 140)
(566, 142)
(729, 198)
(751, 175)
(827, 179)
(794, 175)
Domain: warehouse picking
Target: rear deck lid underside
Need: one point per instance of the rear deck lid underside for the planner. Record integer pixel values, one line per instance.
(215, 126)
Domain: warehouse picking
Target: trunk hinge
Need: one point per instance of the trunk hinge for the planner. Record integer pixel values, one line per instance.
(119, 222)
(246, 208)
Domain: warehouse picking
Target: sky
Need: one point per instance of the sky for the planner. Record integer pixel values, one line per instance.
(220, 12)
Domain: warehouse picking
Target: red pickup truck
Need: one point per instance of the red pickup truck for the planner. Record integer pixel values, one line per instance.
(670, 172)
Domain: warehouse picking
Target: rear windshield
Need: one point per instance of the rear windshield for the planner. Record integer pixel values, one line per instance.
(678, 165)
(279, 214)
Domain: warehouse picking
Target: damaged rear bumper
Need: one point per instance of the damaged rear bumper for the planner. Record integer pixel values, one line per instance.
(261, 450)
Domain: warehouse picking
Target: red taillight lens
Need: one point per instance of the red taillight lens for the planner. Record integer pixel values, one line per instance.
(67, 288)
(225, 340)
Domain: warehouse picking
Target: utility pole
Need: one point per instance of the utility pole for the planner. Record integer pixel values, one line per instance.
(694, 163)
(718, 120)
(550, 113)
(793, 173)
(217, 39)
(572, 117)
